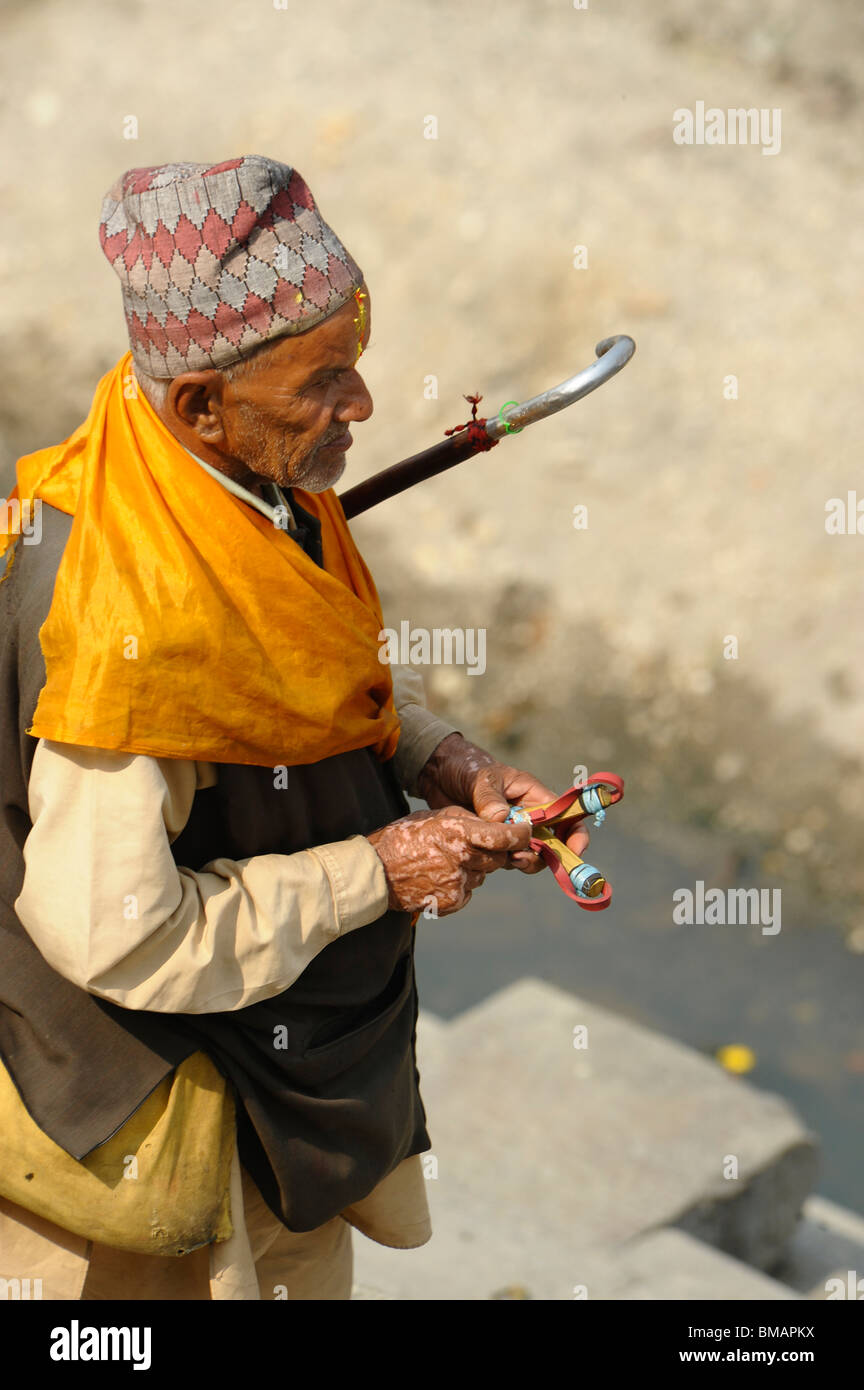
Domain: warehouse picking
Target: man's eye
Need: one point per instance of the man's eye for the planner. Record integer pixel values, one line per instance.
(317, 385)
(322, 382)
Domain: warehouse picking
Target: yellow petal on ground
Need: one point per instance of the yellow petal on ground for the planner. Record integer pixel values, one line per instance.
(735, 1057)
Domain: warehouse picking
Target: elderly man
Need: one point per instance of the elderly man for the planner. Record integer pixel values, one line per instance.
(209, 881)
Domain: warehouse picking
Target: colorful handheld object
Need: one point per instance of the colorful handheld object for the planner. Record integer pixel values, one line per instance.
(551, 824)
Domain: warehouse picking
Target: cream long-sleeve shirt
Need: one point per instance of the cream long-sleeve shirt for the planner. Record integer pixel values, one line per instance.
(110, 910)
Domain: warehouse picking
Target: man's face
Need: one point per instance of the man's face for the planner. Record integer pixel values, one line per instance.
(287, 420)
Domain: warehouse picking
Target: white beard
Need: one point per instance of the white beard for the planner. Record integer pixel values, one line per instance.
(316, 476)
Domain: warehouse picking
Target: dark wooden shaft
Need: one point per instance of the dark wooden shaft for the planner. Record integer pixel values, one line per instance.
(400, 476)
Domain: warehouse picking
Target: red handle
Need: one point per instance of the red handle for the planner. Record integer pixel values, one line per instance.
(554, 811)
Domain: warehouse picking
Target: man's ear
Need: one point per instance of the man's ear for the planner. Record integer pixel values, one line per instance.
(194, 399)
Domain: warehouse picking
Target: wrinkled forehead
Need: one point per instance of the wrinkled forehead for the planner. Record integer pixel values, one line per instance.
(324, 352)
(340, 339)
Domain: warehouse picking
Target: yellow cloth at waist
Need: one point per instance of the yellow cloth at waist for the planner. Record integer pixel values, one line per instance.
(158, 1186)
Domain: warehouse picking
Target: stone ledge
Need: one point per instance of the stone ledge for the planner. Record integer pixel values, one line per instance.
(554, 1163)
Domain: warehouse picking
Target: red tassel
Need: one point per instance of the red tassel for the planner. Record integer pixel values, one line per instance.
(476, 432)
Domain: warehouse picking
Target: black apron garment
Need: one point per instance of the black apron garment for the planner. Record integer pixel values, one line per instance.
(325, 1071)
(324, 1117)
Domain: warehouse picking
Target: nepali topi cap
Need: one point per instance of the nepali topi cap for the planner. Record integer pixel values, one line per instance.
(217, 259)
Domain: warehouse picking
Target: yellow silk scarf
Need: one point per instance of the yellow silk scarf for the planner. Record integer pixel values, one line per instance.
(183, 622)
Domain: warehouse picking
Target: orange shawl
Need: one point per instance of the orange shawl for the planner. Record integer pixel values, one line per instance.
(183, 623)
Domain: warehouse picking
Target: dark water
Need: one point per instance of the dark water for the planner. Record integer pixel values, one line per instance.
(794, 998)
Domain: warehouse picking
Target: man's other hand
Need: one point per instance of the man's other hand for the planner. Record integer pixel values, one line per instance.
(461, 773)
(441, 856)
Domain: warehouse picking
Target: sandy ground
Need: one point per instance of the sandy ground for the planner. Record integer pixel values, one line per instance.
(706, 515)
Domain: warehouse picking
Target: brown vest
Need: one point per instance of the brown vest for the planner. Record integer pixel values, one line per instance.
(325, 1073)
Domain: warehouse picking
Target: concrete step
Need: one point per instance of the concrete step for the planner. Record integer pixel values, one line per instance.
(560, 1167)
(665, 1266)
(825, 1258)
(669, 1265)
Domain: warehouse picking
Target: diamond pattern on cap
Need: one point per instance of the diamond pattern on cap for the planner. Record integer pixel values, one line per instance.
(215, 259)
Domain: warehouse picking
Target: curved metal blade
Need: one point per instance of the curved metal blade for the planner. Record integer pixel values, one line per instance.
(612, 354)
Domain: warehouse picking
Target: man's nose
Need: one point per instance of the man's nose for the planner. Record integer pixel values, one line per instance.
(357, 404)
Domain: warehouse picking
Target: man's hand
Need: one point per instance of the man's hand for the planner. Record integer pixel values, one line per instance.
(461, 774)
(442, 855)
